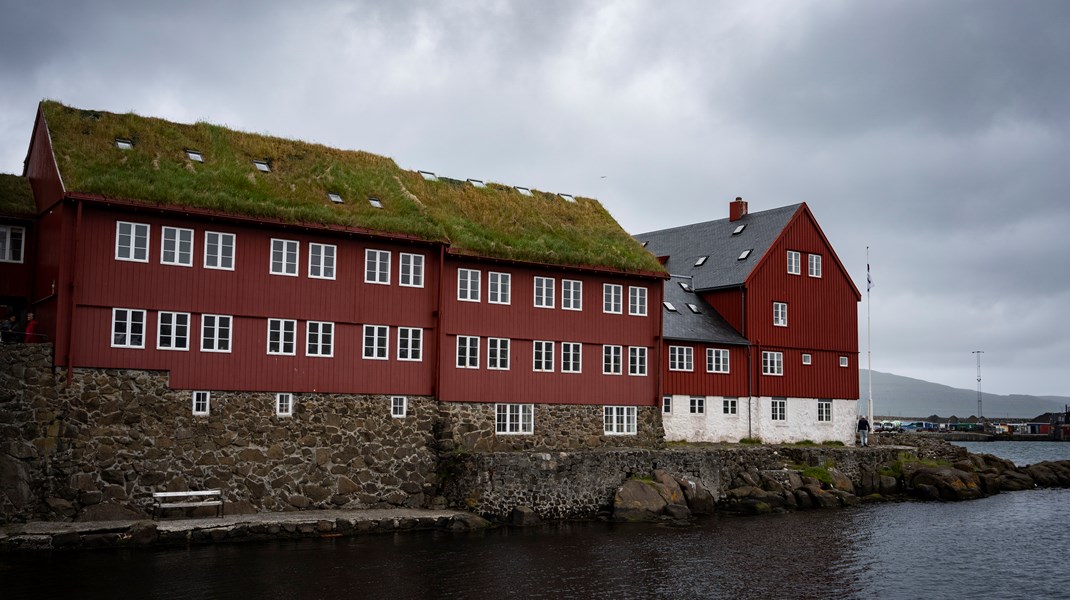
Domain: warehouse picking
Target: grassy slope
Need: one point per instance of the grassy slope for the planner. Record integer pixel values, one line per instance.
(494, 221)
(16, 197)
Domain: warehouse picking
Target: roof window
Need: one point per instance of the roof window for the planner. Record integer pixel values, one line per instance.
(669, 306)
(477, 183)
(523, 190)
(262, 166)
(684, 286)
(645, 243)
(375, 202)
(428, 175)
(567, 197)
(693, 308)
(334, 197)
(124, 144)
(701, 261)
(738, 230)
(743, 255)
(194, 156)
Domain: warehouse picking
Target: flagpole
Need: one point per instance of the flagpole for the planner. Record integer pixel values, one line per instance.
(869, 338)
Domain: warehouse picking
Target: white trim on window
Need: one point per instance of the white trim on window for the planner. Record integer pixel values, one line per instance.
(844, 362)
(772, 363)
(717, 360)
(467, 352)
(637, 361)
(544, 292)
(132, 241)
(514, 419)
(681, 358)
(612, 298)
(807, 359)
(410, 344)
(571, 294)
(399, 407)
(284, 404)
(498, 350)
(282, 337)
(619, 420)
(778, 409)
(824, 411)
(697, 405)
(321, 260)
(319, 339)
(813, 266)
(412, 270)
(376, 266)
(202, 403)
(468, 281)
(216, 333)
(637, 301)
(285, 256)
(219, 250)
(376, 342)
(780, 314)
(176, 247)
(127, 328)
(499, 287)
(571, 357)
(794, 262)
(172, 330)
(12, 244)
(730, 406)
(542, 356)
(612, 359)
(666, 405)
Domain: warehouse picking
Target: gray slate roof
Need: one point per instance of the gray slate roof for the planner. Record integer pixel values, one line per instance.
(684, 245)
(683, 324)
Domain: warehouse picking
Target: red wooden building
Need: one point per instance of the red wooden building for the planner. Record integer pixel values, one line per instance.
(761, 329)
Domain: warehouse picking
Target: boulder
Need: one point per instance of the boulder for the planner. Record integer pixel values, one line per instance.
(524, 516)
(951, 483)
(675, 501)
(820, 498)
(841, 482)
(638, 501)
(699, 498)
(465, 521)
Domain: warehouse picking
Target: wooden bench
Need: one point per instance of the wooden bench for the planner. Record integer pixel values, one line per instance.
(162, 500)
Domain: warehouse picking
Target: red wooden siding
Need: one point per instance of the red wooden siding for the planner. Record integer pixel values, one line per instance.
(728, 304)
(824, 378)
(15, 278)
(700, 383)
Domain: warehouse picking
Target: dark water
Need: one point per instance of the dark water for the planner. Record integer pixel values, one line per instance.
(1013, 545)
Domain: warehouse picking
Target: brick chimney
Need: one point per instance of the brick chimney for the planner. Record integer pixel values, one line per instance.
(737, 209)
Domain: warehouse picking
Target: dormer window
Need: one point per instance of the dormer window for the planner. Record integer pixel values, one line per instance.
(739, 229)
(743, 255)
(477, 183)
(428, 175)
(124, 144)
(334, 197)
(194, 156)
(701, 261)
(693, 308)
(262, 166)
(523, 190)
(669, 306)
(567, 197)
(375, 202)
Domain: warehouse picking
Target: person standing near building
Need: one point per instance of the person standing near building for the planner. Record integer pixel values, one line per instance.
(30, 335)
(9, 330)
(863, 430)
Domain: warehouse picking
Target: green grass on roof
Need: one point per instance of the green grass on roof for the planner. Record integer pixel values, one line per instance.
(494, 221)
(16, 197)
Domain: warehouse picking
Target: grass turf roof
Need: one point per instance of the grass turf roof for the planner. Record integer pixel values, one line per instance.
(16, 197)
(495, 221)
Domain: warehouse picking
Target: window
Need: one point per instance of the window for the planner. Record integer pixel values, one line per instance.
(681, 358)
(772, 363)
(716, 360)
(412, 270)
(194, 156)
(12, 243)
(743, 255)
(284, 405)
(669, 306)
(794, 262)
(543, 356)
(428, 175)
(685, 287)
(571, 294)
(693, 308)
(498, 354)
(701, 261)
(284, 257)
(698, 405)
(637, 301)
(218, 250)
(336, 198)
(611, 360)
(637, 361)
(127, 328)
(806, 359)
(544, 292)
(131, 241)
(262, 166)
(571, 357)
(666, 404)
(215, 333)
(377, 267)
(739, 229)
(512, 419)
(780, 314)
(124, 144)
(321, 261)
(843, 361)
(319, 338)
(172, 331)
(779, 409)
(399, 407)
(282, 337)
(375, 202)
(523, 190)
(467, 352)
(468, 285)
(611, 298)
(201, 403)
(410, 344)
(814, 265)
(500, 284)
(730, 406)
(477, 183)
(177, 248)
(619, 420)
(376, 344)
(824, 411)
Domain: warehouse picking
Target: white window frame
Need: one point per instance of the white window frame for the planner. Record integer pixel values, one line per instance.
(379, 349)
(794, 262)
(212, 343)
(399, 407)
(202, 403)
(542, 356)
(128, 322)
(730, 406)
(681, 358)
(468, 284)
(171, 318)
(544, 292)
(844, 361)
(315, 334)
(500, 287)
(813, 266)
(697, 405)
(467, 352)
(410, 344)
(218, 259)
(498, 353)
(778, 409)
(176, 241)
(285, 328)
(612, 298)
(7, 244)
(619, 420)
(514, 419)
(666, 405)
(137, 231)
(824, 411)
(284, 404)
(287, 248)
(637, 301)
(807, 359)
(324, 268)
(411, 268)
(717, 360)
(571, 294)
(637, 361)
(772, 363)
(376, 266)
(780, 314)
(613, 358)
(571, 357)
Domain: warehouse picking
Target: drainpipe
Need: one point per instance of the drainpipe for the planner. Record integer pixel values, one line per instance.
(437, 392)
(71, 292)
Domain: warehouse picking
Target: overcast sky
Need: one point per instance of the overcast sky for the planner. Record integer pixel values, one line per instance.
(937, 133)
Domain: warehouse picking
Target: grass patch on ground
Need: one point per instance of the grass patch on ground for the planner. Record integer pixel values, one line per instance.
(895, 469)
(837, 443)
(750, 441)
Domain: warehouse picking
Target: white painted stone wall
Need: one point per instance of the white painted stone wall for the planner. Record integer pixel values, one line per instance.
(801, 423)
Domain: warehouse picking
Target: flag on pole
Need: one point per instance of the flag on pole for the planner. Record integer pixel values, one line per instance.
(869, 279)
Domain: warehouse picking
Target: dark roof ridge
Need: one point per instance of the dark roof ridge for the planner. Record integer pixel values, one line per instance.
(711, 222)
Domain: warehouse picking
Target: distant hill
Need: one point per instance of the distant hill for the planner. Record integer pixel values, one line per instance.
(894, 395)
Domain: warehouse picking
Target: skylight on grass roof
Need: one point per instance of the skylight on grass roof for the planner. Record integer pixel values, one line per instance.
(428, 175)
(645, 243)
(743, 255)
(262, 166)
(701, 261)
(568, 197)
(334, 197)
(669, 306)
(738, 230)
(523, 190)
(124, 144)
(477, 183)
(693, 308)
(375, 202)
(194, 156)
